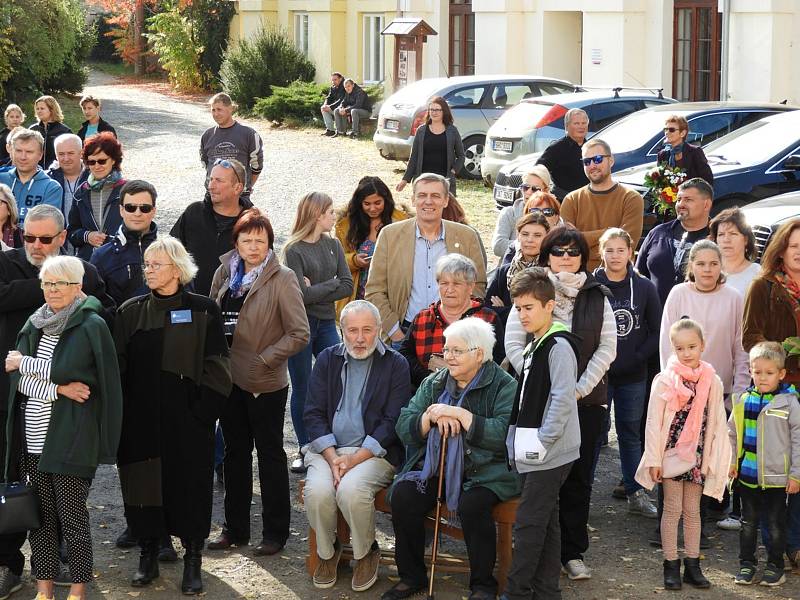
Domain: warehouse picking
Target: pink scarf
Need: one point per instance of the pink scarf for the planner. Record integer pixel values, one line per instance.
(677, 395)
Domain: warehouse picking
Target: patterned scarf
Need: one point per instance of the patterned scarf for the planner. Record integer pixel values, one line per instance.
(673, 152)
(53, 323)
(518, 264)
(97, 184)
(241, 282)
(567, 287)
(677, 395)
(791, 288)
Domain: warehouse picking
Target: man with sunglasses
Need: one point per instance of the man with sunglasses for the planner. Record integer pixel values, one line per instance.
(562, 157)
(603, 202)
(120, 262)
(205, 227)
(20, 295)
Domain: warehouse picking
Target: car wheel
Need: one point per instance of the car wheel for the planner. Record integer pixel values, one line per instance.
(473, 153)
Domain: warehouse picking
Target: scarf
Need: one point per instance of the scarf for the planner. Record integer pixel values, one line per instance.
(567, 287)
(454, 460)
(53, 323)
(791, 288)
(241, 282)
(518, 264)
(97, 184)
(677, 395)
(673, 152)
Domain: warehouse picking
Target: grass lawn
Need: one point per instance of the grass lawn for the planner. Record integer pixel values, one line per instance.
(119, 69)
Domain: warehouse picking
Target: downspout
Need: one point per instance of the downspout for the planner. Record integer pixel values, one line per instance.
(725, 58)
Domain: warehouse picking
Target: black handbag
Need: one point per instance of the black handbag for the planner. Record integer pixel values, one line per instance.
(19, 507)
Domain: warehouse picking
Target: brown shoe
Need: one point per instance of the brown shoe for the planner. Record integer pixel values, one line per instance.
(225, 541)
(365, 573)
(267, 548)
(326, 571)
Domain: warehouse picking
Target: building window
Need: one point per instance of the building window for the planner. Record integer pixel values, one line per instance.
(373, 48)
(301, 21)
(697, 45)
(462, 38)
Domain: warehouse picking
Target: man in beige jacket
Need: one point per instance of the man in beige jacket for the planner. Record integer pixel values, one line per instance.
(402, 274)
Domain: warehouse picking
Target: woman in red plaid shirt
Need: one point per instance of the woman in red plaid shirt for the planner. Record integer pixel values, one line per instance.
(455, 275)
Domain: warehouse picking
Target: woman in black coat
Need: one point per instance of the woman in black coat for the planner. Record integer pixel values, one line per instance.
(50, 123)
(678, 152)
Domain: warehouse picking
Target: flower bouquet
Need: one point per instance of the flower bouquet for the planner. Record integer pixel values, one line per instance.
(663, 181)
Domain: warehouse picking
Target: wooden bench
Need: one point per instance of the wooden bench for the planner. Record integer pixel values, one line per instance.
(504, 514)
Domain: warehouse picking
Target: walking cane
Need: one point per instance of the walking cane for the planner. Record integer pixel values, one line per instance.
(439, 502)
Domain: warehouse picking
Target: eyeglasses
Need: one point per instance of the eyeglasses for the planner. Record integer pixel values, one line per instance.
(49, 286)
(96, 161)
(45, 239)
(143, 208)
(456, 352)
(526, 186)
(571, 251)
(436, 110)
(594, 159)
(226, 164)
(154, 266)
(547, 212)
(670, 129)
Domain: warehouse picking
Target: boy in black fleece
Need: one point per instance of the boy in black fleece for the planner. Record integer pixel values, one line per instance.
(543, 439)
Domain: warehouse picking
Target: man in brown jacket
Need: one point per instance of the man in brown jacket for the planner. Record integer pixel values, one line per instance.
(603, 203)
(402, 274)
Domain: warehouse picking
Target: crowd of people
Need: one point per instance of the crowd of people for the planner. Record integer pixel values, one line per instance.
(171, 356)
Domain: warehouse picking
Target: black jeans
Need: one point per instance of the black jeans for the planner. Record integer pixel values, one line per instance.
(768, 507)
(535, 567)
(409, 509)
(576, 493)
(247, 420)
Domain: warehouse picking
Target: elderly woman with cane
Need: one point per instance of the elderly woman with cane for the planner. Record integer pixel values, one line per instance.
(470, 403)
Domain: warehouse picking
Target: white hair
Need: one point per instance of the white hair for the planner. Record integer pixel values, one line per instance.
(68, 137)
(176, 252)
(475, 333)
(360, 306)
(63, 268)
(573, 112)
(457, 265)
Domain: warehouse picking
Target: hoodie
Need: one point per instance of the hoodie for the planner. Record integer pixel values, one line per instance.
(39, 189)
(637, 310)
(120, 263)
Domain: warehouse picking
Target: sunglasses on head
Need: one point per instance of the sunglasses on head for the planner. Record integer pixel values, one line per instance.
(594, 159)
(144, 208)
(670, 129)
(45, 239)
(96, 161)
(571, 251)
(547, 212)
(226, 164)
(527, 186)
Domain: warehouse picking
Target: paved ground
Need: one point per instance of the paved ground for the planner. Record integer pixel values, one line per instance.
(161, 135)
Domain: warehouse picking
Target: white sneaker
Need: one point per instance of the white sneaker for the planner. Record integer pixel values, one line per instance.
(576, 569)
(730, 524)
(639, 503)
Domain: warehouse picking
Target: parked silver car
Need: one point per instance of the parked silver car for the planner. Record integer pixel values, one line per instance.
(477, 101)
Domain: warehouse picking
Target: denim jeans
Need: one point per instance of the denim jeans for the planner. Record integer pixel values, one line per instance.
(769, 507)
(792, 526)
(323, 335)
(628, 400)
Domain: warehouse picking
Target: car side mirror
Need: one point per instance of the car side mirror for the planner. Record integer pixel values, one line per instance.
(792, 163)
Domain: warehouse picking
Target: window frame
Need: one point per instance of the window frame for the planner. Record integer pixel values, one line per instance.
(715, 50)
(368, 47)
(302, 32)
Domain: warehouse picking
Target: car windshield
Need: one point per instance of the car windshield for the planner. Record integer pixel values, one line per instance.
(632, 131)
(754, 143)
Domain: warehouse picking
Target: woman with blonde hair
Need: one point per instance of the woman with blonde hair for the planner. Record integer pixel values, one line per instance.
(535, 180)
(12, 117)
(10, 233)
(323, 274)
(50, 123)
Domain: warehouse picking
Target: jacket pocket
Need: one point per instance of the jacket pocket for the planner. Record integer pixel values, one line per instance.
(260, 373)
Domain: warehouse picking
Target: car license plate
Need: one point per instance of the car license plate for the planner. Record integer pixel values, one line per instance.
(502, 145)
(392, 125)
(504, 194)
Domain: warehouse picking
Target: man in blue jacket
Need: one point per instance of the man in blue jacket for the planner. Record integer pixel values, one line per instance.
(28, 182)
(355, 395)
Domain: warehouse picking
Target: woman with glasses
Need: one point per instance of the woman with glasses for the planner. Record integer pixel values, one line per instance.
(437, 147)
(469, 401)
(95, 215)
(10, 232)
(543, 204)
(505, 232)
(678, 152)
(455, 277)
(582, 304)
(64, 418)
(176, 377)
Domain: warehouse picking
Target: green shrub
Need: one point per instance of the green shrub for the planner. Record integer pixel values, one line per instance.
(253, 66)
(104, 50)
(173, 42)
(298, 101)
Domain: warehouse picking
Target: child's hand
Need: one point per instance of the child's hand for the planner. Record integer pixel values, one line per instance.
(792, 487)
(732, 473)
(655, 474)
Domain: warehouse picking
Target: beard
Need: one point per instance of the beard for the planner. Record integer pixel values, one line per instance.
(362, 354)
(35, 261)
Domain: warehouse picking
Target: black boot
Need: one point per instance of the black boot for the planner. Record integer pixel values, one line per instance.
(148, 564)
(166, 552)
(693, 575)
(672, 574)
(192, 562)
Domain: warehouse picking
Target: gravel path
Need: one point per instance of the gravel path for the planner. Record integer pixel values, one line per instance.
(161, 134)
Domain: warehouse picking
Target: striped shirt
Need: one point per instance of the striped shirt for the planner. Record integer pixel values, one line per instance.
(754, 403)
(35, 383)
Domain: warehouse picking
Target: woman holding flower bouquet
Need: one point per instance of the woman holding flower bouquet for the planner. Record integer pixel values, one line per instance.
(678, 152)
